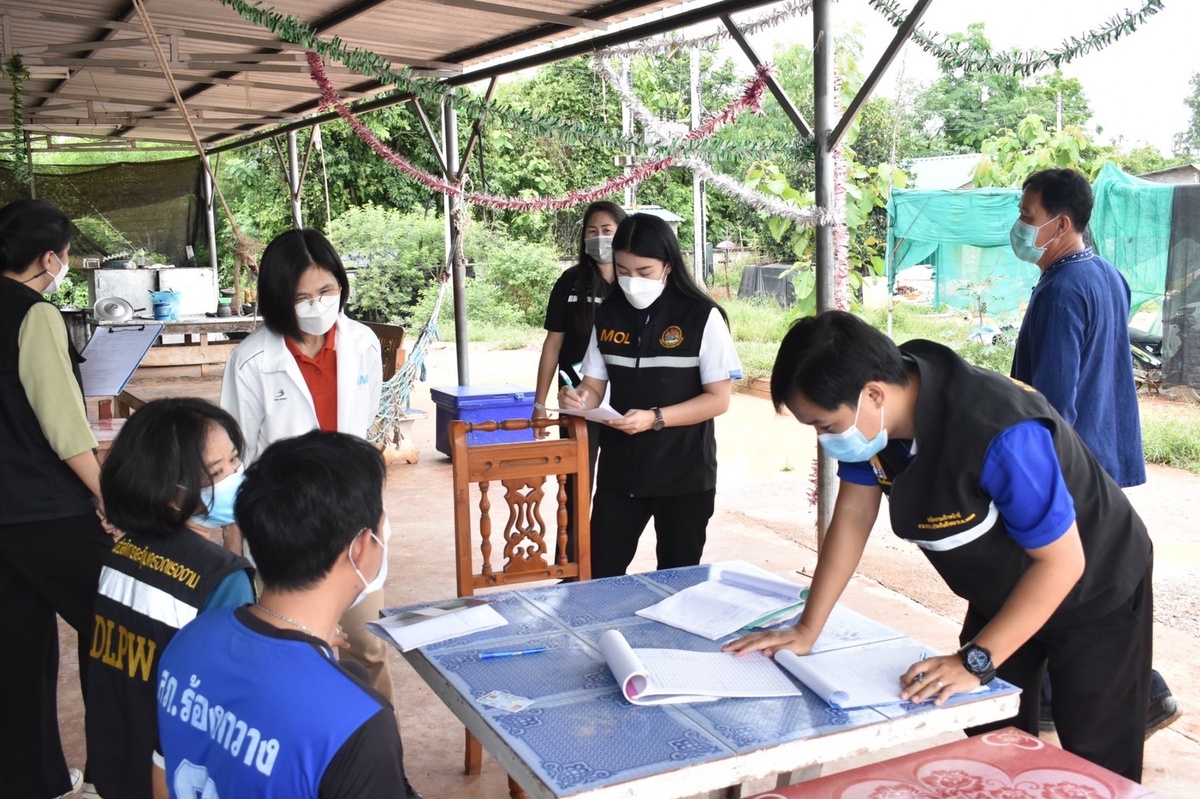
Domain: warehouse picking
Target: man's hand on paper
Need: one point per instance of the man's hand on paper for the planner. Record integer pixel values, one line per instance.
(937, 678)
(798, 639)
(634, 421)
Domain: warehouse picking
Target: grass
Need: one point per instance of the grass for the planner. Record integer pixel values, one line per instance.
(1171, 435)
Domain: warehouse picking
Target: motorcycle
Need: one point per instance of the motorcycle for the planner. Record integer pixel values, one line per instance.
(1146, 349)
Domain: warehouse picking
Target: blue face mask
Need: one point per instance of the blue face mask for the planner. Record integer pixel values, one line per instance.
(1023, 237)
(218, 500)
(850, 445)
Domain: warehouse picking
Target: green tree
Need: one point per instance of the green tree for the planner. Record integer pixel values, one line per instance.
(1012, 155)
(1187, 143)
(972, 106)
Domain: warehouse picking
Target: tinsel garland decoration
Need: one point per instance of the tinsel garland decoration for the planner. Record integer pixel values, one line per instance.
(974, 59)
(751, 99)
(671, 43)
(723, 183)
(364, 62)
(15, 69)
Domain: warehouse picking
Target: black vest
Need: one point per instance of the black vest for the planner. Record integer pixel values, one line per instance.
(35, 484)
(168, 581)
(653, 360)
(936, 501)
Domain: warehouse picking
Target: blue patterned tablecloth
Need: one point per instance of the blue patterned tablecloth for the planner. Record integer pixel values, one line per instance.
(580, 733)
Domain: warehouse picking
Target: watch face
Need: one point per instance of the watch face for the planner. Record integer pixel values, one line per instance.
(978, 660)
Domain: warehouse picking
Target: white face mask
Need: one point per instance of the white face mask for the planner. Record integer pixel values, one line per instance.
(55, 279)
(600, 248)
(317, 316)
(642, 291)
(376, 582)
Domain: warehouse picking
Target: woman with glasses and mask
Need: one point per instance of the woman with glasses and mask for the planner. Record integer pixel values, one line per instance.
(51, 540)
(176, 462)
(310, 368)
(663, 350)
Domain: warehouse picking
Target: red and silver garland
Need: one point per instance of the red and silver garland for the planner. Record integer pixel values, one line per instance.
(723, 183)
(751, 99)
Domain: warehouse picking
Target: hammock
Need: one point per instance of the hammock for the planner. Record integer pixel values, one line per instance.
(394, 415)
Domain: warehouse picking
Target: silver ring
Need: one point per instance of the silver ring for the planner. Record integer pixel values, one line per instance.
(940, 685)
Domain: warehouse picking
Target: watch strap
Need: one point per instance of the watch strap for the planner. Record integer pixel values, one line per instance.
(659, 421)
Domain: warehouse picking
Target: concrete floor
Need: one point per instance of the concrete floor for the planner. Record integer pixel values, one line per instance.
(762, 516)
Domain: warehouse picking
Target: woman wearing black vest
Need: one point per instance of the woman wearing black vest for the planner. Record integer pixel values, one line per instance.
(1008, 505)
(175, 460)
(51, 540)
(662, 348)
(570, 315)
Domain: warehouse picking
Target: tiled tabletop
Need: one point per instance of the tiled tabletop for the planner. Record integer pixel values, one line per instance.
(580, 737)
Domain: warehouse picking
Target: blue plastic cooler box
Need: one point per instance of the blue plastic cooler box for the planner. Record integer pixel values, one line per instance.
(482, 404)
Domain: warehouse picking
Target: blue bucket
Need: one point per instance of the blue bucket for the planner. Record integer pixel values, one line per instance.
(165, 305)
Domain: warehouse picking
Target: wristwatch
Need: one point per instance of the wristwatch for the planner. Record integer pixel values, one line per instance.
(978, 661)
(659, 422)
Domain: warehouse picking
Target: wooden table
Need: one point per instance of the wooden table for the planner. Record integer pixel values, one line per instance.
(197, 349)
(580, 738)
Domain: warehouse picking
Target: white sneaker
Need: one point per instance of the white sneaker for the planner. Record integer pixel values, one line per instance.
(76, 784)
(89, 792)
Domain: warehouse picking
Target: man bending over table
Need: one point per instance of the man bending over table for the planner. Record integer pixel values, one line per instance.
(1009, 506)
(253, 701)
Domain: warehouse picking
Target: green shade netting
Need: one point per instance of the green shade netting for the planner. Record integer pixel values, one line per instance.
(964, 236)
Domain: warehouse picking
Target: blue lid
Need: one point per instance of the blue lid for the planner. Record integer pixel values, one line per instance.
(482, 396)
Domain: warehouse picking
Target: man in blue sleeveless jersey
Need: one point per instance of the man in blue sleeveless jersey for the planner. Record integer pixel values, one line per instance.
(253, 702)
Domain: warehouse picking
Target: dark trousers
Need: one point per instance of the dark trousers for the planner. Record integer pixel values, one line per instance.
(680, 523)
(1101, 673)
(593, 429)
(46, 568)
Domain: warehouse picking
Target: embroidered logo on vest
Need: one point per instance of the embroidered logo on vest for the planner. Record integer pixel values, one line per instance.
(671, 338)
(615, 336)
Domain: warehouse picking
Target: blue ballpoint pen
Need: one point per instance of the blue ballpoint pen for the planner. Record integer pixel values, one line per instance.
(511, 653)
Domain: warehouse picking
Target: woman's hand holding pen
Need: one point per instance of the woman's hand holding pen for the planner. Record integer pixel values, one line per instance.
(937, 678)
(798, 639)
(572, 397)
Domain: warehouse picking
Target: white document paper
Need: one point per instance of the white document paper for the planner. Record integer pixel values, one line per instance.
(603, 413)
(738, 595)
(112, 355)
(419, 628)
(862, 676)
(674, 676)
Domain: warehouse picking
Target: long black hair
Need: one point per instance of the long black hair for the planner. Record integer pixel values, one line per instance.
(647, 236)
(28, 230)
(154, 475)
(590, 286)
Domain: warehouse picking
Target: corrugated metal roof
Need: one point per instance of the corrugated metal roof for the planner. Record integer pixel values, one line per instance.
(93, 72)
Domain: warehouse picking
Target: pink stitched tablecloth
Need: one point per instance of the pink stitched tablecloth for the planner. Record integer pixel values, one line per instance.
(1006, 764)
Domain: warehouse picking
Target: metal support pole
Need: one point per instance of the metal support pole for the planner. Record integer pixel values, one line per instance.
(458, 266)
(699, 220)
(823, 121)
(627, 132)
(210, 218)
(294, 179)
(781, 96)
(29, 166)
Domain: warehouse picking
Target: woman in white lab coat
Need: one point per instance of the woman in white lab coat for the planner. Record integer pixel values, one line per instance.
(310, 367)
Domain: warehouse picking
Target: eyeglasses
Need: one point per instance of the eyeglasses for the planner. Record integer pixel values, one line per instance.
(323, 299)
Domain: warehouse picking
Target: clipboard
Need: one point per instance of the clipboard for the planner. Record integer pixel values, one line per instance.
(112, 355)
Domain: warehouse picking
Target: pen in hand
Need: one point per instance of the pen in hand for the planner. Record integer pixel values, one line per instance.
(566, 378)
(511, 653)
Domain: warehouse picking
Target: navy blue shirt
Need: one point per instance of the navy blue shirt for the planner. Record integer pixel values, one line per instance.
(1074, 348)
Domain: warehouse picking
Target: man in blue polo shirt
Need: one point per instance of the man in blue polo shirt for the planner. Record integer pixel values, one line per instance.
(253, 701)
(1007, 504)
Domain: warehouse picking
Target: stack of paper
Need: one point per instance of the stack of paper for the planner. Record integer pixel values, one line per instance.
(737, 597)
(437, 623)
(860, 676)
(672, 676)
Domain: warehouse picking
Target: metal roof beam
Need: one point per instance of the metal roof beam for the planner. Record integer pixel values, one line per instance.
(526, 13)
(781, 96)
